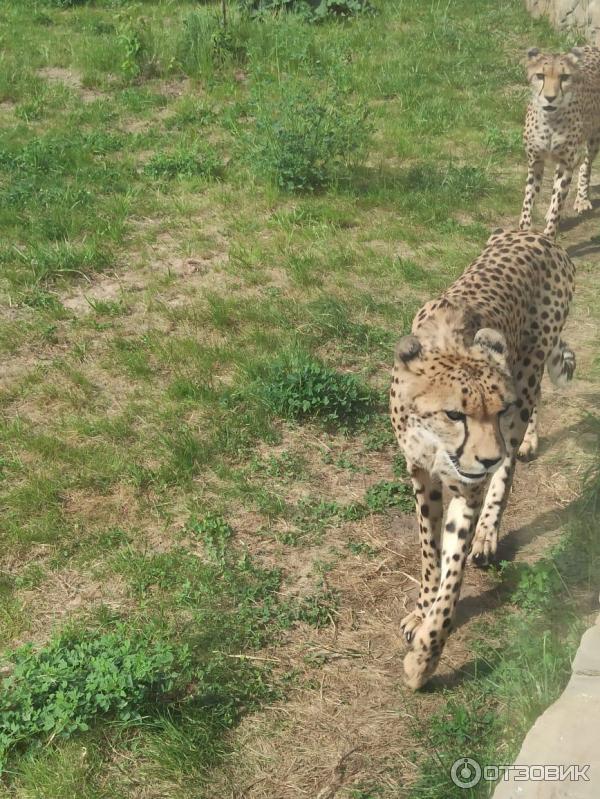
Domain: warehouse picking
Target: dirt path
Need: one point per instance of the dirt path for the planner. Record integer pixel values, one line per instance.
(348, 722)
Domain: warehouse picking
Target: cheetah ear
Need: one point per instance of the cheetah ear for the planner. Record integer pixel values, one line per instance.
(493, 341)
(533, 60)
(574, 56)
(408, 348)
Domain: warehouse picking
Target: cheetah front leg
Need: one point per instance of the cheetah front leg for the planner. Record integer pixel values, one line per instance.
(535, 174)
(430, 638)
(562, 180)
(485, 540)
(582, 201)
(428, 496)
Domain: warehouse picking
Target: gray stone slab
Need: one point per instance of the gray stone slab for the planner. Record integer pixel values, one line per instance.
(582, 15)
(567, 734)
(587, 659)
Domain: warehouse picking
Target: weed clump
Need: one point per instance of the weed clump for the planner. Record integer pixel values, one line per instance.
(78, 677)
(302, 142)
(215, 533)
(139, 59)
(202, 162)
(304, 388)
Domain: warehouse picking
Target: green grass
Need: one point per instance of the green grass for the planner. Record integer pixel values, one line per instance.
(199, 313)
(161, 679)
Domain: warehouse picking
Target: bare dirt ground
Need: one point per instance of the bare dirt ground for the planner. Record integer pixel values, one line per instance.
(347, 724)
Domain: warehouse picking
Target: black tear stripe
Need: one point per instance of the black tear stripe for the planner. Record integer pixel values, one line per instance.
(461, 449)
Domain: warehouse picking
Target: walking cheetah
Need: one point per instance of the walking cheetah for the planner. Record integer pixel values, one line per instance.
(465, 387)
(562, 117)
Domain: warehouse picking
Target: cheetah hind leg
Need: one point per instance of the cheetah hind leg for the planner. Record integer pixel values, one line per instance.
(582, 201)
(529, 445)
(561, 364)
(561, 367)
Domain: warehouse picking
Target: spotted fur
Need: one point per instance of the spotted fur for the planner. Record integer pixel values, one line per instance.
(463, 400)
(563, 120)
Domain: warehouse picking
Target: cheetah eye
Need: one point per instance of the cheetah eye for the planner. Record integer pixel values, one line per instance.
(455, 416)
(540, 76)
(564, 78)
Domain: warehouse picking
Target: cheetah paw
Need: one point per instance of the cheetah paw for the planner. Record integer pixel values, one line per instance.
(483, 550)
(410, 624)
(581, 205)
(528, 448)
(418, 668)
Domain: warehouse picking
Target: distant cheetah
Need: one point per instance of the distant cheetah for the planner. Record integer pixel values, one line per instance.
(463, 401)
(563, 116)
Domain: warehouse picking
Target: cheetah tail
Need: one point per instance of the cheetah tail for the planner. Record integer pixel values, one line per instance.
(561, 364)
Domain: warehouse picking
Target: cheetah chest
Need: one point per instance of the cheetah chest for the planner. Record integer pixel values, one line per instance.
(552, 143)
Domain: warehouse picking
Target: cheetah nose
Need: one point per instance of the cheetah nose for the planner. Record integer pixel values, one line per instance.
(550, 99)
(488, 462)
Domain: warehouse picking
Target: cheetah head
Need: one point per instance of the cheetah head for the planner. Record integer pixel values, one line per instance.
(458, 403)
(553, 78)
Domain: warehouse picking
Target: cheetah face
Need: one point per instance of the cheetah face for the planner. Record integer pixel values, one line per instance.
(459, 406)
(553, 78)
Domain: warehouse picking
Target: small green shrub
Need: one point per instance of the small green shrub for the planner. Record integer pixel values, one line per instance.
(303, 388)
(202, 162)
(139, 58)
(77, 677)
(303, 142)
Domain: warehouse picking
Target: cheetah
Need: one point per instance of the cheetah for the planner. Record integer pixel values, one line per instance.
(563, 116)
(463, 399)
